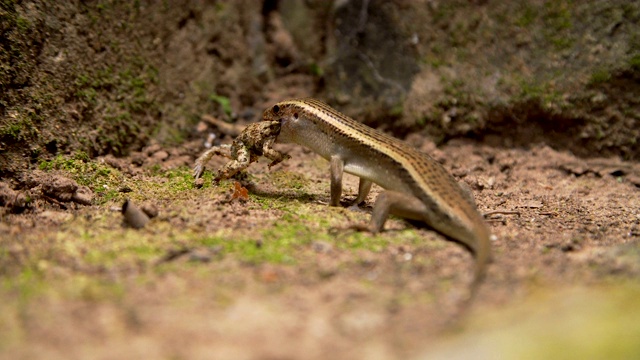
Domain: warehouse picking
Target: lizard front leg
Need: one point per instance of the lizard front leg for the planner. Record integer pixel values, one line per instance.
(337, 169)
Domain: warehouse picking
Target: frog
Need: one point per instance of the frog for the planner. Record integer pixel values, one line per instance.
(254, 141)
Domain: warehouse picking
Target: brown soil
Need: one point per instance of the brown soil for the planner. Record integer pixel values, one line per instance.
(567, 223)
(90, 118)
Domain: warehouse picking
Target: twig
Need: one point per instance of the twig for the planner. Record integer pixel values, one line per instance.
(502, 212)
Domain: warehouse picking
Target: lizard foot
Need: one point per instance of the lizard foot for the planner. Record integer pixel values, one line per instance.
(355, 207)
(352, 227)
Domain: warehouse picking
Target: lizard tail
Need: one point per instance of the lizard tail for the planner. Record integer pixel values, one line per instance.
(482, 253)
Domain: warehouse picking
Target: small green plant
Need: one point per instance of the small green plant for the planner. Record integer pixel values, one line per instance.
(316, 70)
(224, 102)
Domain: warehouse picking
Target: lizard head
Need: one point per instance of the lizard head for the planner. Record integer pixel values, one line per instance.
(287, 117)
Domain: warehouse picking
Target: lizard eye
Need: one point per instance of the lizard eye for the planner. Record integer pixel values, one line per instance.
(295, 115)
(276, 109)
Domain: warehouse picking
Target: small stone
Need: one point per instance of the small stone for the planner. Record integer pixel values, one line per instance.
(83, 196)
(138, 158)
(133, 216)
(59, 187)
(10, 198)
(201, 127)
(160, 155)
(152, 149)
(321, 246)
(200, 255)
(150, 209)
(199, 183)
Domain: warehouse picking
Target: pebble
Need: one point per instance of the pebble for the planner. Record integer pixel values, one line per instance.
(133, 216)
(83, 196)
(160, 155)
(150, 209)
(59, 187)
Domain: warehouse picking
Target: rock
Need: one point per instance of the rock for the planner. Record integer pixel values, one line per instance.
(151, 149)
(150, 209)
(83, 196)
(59, 187)
(160, 155)
(133, 216)
(12, 199)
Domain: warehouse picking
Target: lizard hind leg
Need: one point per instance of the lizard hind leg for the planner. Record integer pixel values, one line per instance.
(396, 203)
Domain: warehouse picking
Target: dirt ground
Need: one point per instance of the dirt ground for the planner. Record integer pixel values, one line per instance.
(567, 260)
(102, 104)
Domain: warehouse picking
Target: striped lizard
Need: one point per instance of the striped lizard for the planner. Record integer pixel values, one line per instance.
(416, 186)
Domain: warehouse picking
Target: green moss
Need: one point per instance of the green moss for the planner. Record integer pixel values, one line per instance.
(254, 251)
(22, 24)
(364, 241)
(131, 248)
(101, 179)
(634, 63)
(180, 180)
(558, 23)
(12, 131)
(543, 92)
(126, 91)
(27, 284)
(558, 14)
(527, 17)
(91, 289)
(599, 76)
(562, 43)
(444, 11)
(288, 180)
(436, 57)
(103, 6)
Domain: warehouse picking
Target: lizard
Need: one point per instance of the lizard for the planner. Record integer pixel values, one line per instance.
(254, 141)
(416, 187)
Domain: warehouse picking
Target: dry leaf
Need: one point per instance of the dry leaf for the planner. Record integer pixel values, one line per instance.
(239, 192)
